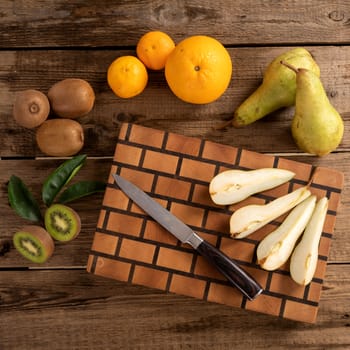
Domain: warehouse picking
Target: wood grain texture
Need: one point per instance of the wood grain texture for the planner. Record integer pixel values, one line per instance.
(120, 23)
(59, 305)
(86, 312)
(129, 247)
(75, 253)
(157, 107)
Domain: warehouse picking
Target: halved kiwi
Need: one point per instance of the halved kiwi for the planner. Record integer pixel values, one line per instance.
(34, 243)
(62, 222)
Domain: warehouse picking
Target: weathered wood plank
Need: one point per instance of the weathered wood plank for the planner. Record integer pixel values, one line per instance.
(75, 306)
(157, 107)
(88, 23)
(75, 253)
(60, 306)
(33, 173)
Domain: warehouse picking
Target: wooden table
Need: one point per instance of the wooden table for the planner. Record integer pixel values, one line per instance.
(59, 305)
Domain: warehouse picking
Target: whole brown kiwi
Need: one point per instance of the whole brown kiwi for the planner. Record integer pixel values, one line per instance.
(60, 137)
(71, 98)
(31, 108)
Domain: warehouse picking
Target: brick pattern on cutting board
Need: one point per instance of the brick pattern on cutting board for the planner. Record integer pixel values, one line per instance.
(176, 170)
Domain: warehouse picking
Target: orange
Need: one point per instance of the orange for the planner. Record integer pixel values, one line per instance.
(154, 48)
(127, 76)
(199, 69)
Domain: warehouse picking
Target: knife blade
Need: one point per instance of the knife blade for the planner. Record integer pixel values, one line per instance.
(228, 267)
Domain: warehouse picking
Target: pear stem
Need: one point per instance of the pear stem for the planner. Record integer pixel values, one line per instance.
(223, 125)
(288, 65)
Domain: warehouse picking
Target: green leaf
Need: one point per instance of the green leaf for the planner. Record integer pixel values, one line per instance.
(60, 177)
(81, 189)
(22, 201)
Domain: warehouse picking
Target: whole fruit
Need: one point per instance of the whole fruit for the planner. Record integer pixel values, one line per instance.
(31, 108)
(127, 76)
(71, 98)
(317, 127)
(277, 89)
(199, 69)
(60, 137)
(154, 48)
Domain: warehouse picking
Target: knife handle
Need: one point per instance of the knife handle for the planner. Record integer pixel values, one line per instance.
(231, 270)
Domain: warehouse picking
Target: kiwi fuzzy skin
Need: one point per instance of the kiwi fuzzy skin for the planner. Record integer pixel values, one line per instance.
(36, 234)
(31, 108)
(71, 98)
(60, 137)
(63, 212)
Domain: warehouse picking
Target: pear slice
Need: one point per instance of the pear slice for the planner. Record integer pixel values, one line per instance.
(275, 249)
(250, 218)
(232, 186)
(304, 258)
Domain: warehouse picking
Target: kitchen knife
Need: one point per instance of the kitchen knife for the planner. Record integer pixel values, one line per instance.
(229, 268)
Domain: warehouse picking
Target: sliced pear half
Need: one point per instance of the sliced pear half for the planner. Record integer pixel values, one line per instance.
(250, 218)
(232, 186)
(275, 249)
(304, 258)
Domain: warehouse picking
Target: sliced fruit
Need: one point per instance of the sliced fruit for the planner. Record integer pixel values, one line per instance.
(62, 222)
(34, 243)
(232, 186)
(303, 261)
(275, 249)
(250, 218)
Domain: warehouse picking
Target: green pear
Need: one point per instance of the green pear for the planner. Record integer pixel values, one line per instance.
(317, 127)
(277, 89)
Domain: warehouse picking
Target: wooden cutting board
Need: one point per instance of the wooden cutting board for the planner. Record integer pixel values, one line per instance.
(176, 170)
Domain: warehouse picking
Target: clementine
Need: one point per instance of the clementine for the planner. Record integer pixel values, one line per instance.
(199, 69)
(154, 48)
(127, 76)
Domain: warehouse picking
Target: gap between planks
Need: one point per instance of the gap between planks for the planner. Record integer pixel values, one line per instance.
(83, 267)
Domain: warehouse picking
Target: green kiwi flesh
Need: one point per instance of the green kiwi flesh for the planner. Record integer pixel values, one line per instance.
(34, 243)
(62, 222)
